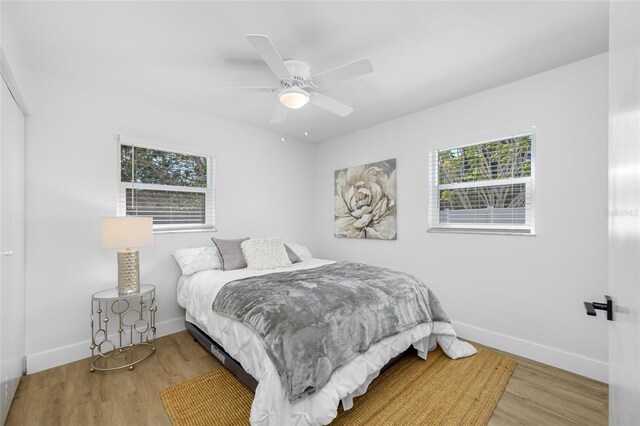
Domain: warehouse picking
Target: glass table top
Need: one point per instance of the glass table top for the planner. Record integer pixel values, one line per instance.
(112, 293)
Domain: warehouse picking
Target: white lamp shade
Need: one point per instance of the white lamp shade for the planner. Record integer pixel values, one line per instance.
(126, 232)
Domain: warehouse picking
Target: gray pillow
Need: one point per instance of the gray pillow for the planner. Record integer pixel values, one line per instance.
(231, 253)
(293, 257)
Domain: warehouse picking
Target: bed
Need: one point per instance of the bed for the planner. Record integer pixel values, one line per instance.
(250, 361)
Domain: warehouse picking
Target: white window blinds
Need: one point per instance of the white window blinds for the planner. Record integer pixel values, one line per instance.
(175, 188)
(483, 187)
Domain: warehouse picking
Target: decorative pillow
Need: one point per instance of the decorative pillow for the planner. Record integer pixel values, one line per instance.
(196, 259)
(293, 257)
(265, 254)
(231, 253)
(300, 250)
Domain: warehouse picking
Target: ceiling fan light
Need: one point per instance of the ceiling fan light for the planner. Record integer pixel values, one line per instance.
(294, 98)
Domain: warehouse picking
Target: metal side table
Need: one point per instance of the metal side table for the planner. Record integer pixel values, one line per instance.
(123, 328)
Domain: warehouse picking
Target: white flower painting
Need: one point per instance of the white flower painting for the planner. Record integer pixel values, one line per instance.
(365, 201)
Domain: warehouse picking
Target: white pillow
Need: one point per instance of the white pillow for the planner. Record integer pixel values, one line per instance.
(265, 254)
(196, 259)
(298, 249)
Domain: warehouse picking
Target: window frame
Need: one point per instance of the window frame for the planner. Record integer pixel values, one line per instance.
(433, 220)
(209, 191)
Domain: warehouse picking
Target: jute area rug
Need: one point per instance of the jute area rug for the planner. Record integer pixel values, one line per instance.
(439, 391)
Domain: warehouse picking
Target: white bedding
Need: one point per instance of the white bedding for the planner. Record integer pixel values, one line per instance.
(196, 294)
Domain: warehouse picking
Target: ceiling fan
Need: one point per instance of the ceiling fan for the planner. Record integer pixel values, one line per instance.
(297, 85)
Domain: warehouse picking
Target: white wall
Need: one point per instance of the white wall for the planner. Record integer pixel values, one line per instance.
(262, 189)
(520, 294)
(14, 63)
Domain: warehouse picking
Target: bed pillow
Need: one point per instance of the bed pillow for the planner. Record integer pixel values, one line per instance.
(293, 257)
(265, 254)
(231, 253)
(196, 259)
(301, 251)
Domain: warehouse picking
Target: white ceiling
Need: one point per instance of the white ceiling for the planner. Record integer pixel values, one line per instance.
(424, 53)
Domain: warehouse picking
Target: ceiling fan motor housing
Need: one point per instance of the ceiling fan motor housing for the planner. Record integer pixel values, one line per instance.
(300, 73)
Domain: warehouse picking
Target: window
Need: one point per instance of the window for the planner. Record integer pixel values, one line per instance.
(174, 188)
(485, 187)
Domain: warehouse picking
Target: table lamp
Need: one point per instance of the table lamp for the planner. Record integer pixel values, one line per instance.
(126, 233)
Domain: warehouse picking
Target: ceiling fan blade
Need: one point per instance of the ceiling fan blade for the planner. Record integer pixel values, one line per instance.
(343, 72)
(244, 89)
(269, 54)
(279, 114)
(330, 104)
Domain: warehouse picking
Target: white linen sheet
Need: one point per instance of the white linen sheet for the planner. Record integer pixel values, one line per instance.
(270, 405)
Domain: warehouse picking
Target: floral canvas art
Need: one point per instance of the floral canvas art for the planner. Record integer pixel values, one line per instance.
(365, 201)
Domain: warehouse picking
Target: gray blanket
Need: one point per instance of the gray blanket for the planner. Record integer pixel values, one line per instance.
(316, 320)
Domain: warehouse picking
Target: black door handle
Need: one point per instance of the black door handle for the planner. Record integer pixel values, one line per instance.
(608, 306)
(590, 310)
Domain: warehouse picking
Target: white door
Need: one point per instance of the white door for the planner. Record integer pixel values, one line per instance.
(624, 212)
(12, 249)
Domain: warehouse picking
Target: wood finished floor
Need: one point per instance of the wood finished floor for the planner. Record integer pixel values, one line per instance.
(70, 395)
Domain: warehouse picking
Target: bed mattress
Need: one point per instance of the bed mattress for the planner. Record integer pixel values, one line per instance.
(271, 405)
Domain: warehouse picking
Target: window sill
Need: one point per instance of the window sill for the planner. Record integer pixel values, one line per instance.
(184, 231)
(480, 231)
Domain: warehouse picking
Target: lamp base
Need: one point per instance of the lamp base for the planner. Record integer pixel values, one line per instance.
(128, 271)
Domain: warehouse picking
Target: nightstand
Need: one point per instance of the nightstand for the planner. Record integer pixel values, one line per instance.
(123, 328)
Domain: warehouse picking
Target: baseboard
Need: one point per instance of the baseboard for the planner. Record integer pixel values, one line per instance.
(594, 369)
(66, 354)
(579, 364)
